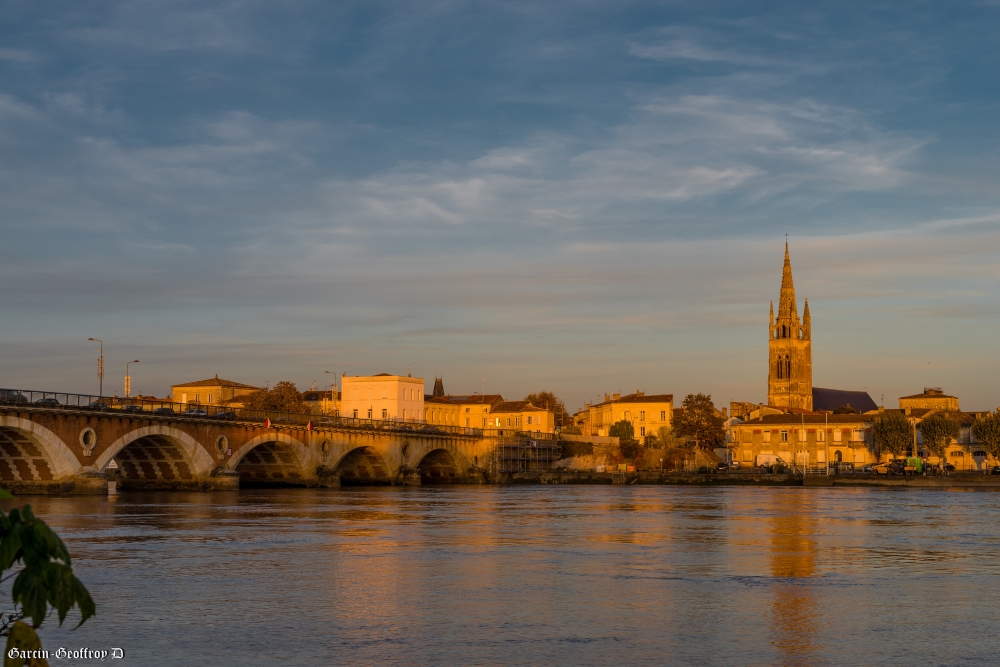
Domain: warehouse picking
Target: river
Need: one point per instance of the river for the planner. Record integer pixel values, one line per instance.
(539, 575)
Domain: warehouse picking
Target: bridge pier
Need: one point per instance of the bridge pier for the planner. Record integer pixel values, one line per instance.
(328, 479)
(409, 477)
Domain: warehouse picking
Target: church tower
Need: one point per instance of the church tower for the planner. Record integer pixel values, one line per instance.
(789, 370)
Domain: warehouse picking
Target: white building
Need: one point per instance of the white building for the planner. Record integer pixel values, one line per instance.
(383, 396)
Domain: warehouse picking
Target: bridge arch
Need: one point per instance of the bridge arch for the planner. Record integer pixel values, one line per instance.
(158, 452)
(31, 452)
(271, 458)
(364, 465)
(438, 466)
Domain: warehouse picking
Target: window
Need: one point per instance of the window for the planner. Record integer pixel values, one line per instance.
(209, 398)
(802, 435)
(484, 422)
(784, 436)
(663, 415)
(745, 436)
(369, 413)
(517, 421)
(498, 422)
(836, 435)
(355, 414)
(821, 436)
(467, 409)
(385, 413)
(529, 421)
(197, 398)
(466, 421)
(767, 436)
(858, 435)
(508, 421)
(642, 431)
(642, 415)
(788, 367)
(780, 369)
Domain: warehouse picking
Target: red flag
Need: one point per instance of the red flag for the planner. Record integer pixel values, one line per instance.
(309, 426)
(267, 423)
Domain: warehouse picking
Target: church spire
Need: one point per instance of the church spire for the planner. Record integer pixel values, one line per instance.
(786, 276)
(806, 323)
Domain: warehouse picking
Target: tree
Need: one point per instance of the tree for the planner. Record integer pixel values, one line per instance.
(892, 433)
(845, 410)
(987, 431)
(45, 581)
(700, 420)
(282, 397)
(622, 430)
(938, 431)
(549, 401)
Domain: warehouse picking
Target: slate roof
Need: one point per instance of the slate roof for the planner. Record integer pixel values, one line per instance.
(831, 399)
(216, 382)
(517, 406)
(655, 398)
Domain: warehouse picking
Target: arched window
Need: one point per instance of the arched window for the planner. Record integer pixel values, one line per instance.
(784, 334)
(780, 369)
(837, 456)
(788, 367)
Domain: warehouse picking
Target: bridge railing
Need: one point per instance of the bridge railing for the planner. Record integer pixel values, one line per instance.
(169, 409)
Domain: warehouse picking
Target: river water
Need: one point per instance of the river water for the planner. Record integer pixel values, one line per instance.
(564, 575)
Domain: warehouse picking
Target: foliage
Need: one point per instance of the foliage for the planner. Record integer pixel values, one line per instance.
(282, 397)
(699, 420)
(630, 449)
(622, 430)
(571, 449)
(572, 430)
(892, 433)
(549, 401)
(46, 580)
(845, 410)
(987, 431)
(665, 438)
(938, 431)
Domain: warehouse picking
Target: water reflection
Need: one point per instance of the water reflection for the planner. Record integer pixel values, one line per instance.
(795, 616)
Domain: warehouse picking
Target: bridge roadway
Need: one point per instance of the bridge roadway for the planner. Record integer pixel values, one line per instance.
(68, 450)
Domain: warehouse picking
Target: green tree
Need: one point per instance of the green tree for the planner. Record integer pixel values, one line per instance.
(845, 410)
(282, 397)
(987, 431)
(699, 420)
(630, 449)
(45, 580)
(938, 431)
(622, 430)
(549, 401)
(892, 433)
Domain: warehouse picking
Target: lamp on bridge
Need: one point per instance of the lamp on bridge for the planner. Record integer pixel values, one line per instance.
(100, 367)
(128, 379)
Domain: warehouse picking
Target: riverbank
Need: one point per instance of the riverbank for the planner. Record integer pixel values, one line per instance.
(742, 479)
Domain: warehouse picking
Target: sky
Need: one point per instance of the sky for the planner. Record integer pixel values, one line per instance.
(584, 197)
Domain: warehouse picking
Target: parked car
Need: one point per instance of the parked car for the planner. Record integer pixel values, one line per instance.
(225, 415)
(195, 412)
(867, 468)
(949, 467)
(12, 396)
(735, 465)
(48, 400)
(164, 411)
(995, 470)
(99, 405)
(132, 408)
(721, 466)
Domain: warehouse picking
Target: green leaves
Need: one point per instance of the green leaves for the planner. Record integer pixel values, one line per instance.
(892, 433)
(938, 431)
(47, 578)
(986, 430)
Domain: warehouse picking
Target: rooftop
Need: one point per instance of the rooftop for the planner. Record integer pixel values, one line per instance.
(216, 382)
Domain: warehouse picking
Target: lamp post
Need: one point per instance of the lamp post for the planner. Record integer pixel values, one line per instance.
(100, 368)
(128, 379)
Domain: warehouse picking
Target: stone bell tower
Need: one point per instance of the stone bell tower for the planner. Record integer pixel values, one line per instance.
(789, 370)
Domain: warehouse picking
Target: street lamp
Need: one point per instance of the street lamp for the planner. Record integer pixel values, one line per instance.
(128, 379)
(100, 367)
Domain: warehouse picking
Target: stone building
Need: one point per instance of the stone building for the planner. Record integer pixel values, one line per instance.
(933, 398)
(803, 440)
(647, 414)
(789, 374)
(213, 391)
(522, 416)
(382, 396)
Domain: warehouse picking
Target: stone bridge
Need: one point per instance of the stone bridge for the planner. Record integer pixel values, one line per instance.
(70, 450)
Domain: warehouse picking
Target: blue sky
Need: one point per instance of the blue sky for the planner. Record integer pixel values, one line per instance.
(580, 196)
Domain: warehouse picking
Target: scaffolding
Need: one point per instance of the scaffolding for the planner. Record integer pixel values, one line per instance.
(521, 454)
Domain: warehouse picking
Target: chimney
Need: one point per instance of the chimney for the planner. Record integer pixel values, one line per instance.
(615, 397)
(881, 408)
(588, 406)
(906, 411)
(606, 398)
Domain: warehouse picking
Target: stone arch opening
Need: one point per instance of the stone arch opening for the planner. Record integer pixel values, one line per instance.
(23, 459)
(438, 467)
(152, 461)
(270, 464)
(363, 466)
